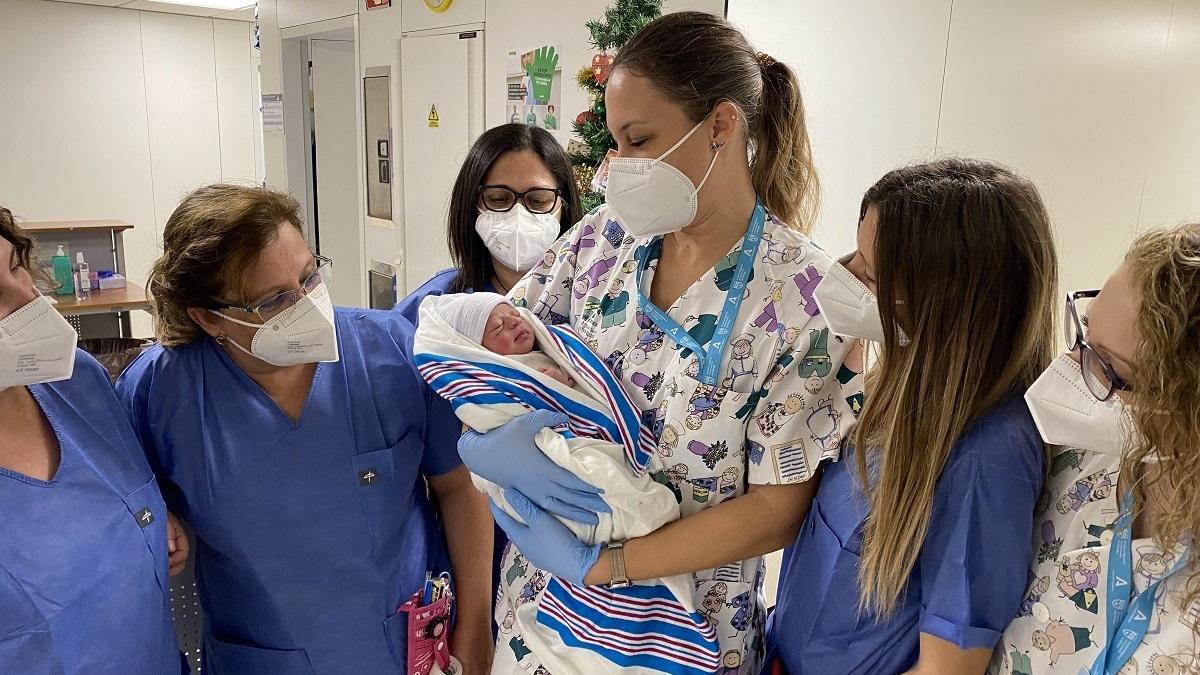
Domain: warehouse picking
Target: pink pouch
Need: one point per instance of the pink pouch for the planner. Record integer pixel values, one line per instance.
(428, 633)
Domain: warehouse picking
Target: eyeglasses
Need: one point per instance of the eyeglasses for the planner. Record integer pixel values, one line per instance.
(1098, 374)
(500, 198)
(280, 302)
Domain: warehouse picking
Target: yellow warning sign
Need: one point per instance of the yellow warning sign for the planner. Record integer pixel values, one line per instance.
(434, 120)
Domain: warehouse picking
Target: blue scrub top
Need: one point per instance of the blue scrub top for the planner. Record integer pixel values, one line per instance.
(83, 556)
(968, 581)
(309, 534)
(438, 284)
(409, 308)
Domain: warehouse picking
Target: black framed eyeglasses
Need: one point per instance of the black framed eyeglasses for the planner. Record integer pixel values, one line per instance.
(276, 304)
(501, 198)
(1098, 374)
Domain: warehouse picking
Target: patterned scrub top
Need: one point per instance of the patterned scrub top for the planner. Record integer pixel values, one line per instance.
(1060, 627)
(784, 400)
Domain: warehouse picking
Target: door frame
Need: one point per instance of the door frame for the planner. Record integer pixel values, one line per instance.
(298, 131)
(474, 129)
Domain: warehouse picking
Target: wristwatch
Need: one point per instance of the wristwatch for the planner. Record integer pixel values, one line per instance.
(616, 564)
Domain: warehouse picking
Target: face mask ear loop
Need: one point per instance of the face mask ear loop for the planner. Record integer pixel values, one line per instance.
(230, 341)
(710, 168)
(681, 141)
(237, 321)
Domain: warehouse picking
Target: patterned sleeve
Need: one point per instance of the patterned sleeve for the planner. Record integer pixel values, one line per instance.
(546, 289)
(807, 405)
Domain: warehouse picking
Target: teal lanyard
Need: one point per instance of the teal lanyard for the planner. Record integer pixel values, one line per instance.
(1126, 621)
(709, 355)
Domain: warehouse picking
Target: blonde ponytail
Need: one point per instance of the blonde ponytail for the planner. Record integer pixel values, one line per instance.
(782, 165)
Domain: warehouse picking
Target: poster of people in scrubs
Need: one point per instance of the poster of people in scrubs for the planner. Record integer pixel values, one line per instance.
(534, 85)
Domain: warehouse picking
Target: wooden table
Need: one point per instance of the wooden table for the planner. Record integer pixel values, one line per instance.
(102, 243)
(105, 301)
(36, 227)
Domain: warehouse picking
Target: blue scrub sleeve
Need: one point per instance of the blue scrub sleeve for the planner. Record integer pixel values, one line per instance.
(976, 556)
(26, 645)
(442, 430)
(133, 391)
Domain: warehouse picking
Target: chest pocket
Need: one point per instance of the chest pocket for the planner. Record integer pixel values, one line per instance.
(701, 442)
(835, 573)
(385, 480)
(148, 513)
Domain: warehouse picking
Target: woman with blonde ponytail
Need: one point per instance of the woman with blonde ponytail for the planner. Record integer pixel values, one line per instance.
(915, 551)
(695, 282)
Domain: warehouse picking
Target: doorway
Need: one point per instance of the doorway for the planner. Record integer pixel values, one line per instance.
(322, 127)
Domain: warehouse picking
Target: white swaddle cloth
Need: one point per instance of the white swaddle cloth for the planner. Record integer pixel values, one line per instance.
(604, 443)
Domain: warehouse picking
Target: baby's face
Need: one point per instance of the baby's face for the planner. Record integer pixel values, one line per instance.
(506, 332)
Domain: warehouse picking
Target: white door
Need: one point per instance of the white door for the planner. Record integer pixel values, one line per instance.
(338, 230)
(442, 98)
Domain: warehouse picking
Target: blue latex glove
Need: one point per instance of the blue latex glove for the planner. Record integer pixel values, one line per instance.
(508, 457)
(547, 543)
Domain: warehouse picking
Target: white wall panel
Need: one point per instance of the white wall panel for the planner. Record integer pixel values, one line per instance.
(73, 127)
(235, 97)
(1172, 192)
(80, 139)
(297, 12)
(870, 74)
(1061, 91)
(181, 104)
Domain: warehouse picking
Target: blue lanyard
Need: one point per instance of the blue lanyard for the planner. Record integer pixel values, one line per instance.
(709, 355)
(1126, 621)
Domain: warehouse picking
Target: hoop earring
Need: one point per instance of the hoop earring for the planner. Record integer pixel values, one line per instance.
(222, 339)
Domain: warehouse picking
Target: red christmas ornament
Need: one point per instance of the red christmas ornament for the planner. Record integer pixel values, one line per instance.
(585, 117)
(601, 65)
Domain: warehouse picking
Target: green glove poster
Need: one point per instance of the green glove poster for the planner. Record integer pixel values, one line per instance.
(533, 83)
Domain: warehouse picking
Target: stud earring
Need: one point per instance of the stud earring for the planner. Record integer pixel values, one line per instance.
(718, 146)
(222, 339)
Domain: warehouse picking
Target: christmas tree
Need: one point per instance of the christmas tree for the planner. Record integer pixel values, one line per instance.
(621, 21)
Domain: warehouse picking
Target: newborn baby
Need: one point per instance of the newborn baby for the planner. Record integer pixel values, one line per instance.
(464, 348)
(492, 321)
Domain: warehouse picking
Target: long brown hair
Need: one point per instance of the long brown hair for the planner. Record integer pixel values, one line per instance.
(1164, 400)
(213, 236)
(699, 60)
(22, 243)
(966, 267)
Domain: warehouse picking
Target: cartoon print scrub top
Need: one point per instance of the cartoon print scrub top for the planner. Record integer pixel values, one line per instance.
(1061, 626)
(782, 402)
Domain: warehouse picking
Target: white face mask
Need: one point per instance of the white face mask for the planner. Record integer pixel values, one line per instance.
(652, 197)
(1066, 413)
(303, 333)
(517, 238)
(849, 307)
(36, 345)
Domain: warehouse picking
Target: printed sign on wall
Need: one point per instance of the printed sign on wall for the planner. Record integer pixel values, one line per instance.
(533, 84)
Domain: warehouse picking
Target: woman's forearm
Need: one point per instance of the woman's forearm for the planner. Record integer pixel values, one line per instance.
(469, 534)
(764, 519)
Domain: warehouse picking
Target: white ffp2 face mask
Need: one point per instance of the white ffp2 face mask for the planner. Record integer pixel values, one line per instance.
(304, 333)
(849, 307)
(36, 345)
(652, 197)
(517, 237)
(1066, 413)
